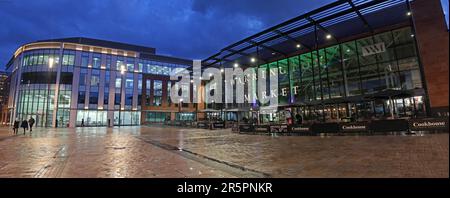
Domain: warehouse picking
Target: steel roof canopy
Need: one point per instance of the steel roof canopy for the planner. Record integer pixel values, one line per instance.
(340, 19)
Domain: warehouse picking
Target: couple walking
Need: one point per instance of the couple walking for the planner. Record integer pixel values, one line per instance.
(25, 124)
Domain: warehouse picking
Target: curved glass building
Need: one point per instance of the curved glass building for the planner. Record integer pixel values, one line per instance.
(88, 82)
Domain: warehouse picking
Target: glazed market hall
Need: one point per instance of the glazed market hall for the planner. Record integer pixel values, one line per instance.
(352, 64)
(349, 61)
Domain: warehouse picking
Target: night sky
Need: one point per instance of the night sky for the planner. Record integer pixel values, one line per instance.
(193, 29)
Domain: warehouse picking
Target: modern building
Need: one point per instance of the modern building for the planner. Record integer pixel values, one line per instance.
(81, 81)
(351, 59)
(4, 87)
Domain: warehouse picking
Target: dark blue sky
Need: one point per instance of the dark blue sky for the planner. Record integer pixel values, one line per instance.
(192, 29)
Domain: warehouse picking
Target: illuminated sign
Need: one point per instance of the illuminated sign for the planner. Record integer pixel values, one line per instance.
(373, 49)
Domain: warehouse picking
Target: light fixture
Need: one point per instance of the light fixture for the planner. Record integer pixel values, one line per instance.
(192, 81)
(221, 70)
(252, 60)
(50, 62)
(348, 50)
(412, 35)
(273, 53)
(122, 69)
(408, 13)
(236, 65)
(298, 46)
(328, 36)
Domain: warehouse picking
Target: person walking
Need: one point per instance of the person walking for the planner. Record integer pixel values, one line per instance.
(24, 125)
(31, 123)
(16, 127)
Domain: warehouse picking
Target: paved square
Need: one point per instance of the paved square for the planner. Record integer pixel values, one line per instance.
(174, 152)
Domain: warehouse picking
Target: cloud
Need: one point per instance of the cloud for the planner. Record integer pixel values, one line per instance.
(192, 29)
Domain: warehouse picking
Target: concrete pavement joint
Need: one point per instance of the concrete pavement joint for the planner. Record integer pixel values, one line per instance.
(233, 169)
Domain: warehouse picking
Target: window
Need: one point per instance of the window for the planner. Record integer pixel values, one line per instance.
(128, 99)
(351, 67)
(140, 66)
(96, 61)
(117, 99)
(129, 83)
(95, 80)
(147, 92)
(84, 60)
(157, 116)
(108, 62)
(82, 79)
(93, 97)
(130, 64)
(118, 83)
(157, 92)
(68, 59)
(119, 63)
(81, 97)
(169, 86)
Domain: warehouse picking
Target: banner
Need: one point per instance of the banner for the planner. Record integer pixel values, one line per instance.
(354, 127)
(428, 124)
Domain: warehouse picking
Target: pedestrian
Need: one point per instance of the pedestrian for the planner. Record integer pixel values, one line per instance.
(31, 123)
(24, 125)
(299, 119)
(16, 127)
(82, 122)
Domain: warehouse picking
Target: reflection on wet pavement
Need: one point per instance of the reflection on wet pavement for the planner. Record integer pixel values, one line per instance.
(175, 152)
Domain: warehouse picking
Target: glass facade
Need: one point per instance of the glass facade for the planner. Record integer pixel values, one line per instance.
(320, 84)
(157, 117)
(36, 101)
(108, 88)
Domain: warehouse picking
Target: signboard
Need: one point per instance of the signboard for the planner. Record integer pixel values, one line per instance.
(428, 124)
(218, 125)
(245, 128)
(261, 128)
(325, 128)
(300, 129)
(278, 128)
(373, 49)
(389, 125)
(354, 127)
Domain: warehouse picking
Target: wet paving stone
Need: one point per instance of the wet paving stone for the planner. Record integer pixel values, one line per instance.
(176, 152)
